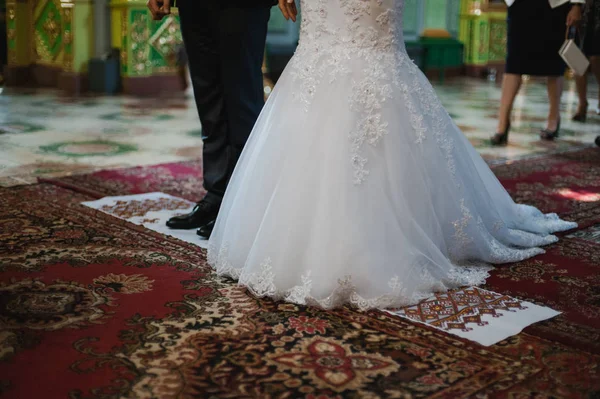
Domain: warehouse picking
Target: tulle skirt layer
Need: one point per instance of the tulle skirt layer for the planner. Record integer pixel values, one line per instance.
(360, 189)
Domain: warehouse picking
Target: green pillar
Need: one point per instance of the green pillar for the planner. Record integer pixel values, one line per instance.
(19, 19)
(78, 35)
(483, 32)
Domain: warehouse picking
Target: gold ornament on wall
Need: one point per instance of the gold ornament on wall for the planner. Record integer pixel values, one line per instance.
(11, 34)
(47, 31)
(139, 33)
(51, 28)
(67, 39)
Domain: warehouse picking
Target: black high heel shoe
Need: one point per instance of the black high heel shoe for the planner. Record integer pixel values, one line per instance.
(549, 135)
(501, 139)
(580, 115)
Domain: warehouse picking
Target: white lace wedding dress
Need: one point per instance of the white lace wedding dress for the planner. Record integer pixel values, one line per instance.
(356, 186)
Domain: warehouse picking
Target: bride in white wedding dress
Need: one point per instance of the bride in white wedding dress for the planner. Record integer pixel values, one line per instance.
(356, 186)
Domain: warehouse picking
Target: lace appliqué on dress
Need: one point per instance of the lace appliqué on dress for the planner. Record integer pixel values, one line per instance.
(323, 55)
(262, 284)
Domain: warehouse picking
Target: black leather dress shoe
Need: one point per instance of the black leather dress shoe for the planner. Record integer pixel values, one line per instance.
(206, 231)
(203, 213)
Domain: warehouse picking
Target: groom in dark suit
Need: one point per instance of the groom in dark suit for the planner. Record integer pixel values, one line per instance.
(225, 41)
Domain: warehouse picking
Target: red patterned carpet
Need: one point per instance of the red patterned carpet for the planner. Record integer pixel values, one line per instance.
(567, 277)
(181, 179)
(93, 307)
(566, 183)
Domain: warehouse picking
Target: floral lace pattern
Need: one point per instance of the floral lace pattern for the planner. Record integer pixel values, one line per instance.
(322, 56)
(262, 284)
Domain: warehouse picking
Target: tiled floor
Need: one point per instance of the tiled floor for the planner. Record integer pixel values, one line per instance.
(474, 105)
(44, 134)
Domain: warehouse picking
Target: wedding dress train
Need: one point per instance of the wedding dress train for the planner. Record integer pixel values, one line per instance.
(356, 186)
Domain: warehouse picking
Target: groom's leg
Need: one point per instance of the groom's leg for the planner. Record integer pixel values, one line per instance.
(200, 31)
(242, 38)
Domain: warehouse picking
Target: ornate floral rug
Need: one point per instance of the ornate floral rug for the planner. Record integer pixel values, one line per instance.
(565, 279)
(478, 315)
(181, 179)
(567, 183)
(95, 307)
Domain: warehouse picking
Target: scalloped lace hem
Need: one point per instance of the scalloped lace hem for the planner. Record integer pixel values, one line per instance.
(262, 284)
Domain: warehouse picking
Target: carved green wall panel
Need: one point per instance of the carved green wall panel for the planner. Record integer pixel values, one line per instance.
(68, 36)
(483, 34)
(147, 47)
(21, 45)
(78, 27)
(465, 36)
(11, 30)
(48, 31)
(53, 33)
(139, 49)
(497, 40)
(481, 45)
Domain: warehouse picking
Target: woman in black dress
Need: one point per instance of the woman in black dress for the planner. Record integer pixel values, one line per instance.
(536, 31)
(590, 44)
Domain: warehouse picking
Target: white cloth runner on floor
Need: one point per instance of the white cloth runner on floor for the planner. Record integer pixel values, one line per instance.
(475, 314)
(151, 210)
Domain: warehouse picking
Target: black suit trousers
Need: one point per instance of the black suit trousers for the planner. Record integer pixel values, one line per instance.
(225, 48)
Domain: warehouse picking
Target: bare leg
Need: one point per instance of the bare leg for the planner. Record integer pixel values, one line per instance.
(511, 84)
(555, 87)
(581, 84)
(595, 68)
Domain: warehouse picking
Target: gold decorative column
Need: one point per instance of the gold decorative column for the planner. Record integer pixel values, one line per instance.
(49, 42)
(19, 19)
(483, 31)
(77, 40)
